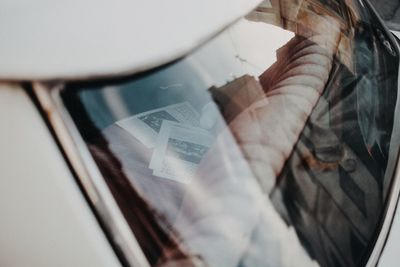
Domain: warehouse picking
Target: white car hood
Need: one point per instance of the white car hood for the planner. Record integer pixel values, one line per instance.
(78, 39)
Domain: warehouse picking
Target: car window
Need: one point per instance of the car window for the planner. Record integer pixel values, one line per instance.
(273, 144)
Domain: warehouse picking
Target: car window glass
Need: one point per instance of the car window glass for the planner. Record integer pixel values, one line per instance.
(270, 145)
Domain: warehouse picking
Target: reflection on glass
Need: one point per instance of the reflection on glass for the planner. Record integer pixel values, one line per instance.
(268, 146)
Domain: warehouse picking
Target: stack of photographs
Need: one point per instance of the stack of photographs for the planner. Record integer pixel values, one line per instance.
(174, 134)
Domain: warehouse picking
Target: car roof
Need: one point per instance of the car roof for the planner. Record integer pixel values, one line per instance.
(76, 39)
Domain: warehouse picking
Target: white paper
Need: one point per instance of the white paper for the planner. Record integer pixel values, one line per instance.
(179, 150)
(146, 126)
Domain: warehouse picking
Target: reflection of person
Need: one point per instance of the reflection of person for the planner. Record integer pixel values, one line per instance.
(268, 128)
(223, 217)
(227, 220)
(266, 131)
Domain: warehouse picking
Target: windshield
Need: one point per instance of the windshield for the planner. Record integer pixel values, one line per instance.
(270, 145)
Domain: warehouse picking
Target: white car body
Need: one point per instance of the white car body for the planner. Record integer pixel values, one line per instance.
(45, 219)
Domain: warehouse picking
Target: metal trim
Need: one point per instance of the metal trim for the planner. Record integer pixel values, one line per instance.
(394, 193)
(89, 175)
